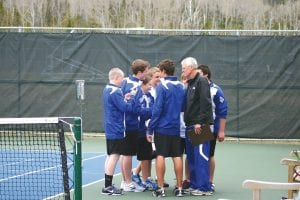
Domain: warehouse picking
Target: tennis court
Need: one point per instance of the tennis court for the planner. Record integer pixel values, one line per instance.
(35, 160)
(236, 160)
(33, 176)
(23, 176)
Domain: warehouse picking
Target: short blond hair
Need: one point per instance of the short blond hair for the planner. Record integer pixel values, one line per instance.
(152, 71)
(115, 73)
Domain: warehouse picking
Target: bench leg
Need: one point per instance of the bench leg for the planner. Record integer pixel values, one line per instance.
(256, 194)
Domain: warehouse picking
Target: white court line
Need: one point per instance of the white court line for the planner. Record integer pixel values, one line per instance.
(45, 169)
(94, 157)
(86, 185)
(92, 183)
(118, 174)
(15, 163)
(28, 173)
(100, 180)
(24, 160)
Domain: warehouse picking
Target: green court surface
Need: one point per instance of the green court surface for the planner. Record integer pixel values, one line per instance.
(235, 161)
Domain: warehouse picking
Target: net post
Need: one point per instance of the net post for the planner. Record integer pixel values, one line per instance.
(77, 160)
(64, 160)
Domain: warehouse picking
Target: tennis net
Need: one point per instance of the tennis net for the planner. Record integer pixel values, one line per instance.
(34, 160)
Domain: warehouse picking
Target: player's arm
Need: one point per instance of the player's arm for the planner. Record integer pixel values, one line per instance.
(144, 112)
(221, 133)
(221, 112)
(120, 103)
(156, 112)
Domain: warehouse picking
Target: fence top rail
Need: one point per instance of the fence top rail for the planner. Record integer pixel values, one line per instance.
(145, 31)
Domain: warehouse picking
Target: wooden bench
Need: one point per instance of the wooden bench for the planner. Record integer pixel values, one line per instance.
(291, 163)
(291, 186)
(257, 186)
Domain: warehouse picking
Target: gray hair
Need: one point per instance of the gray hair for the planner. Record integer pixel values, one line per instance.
(190, 61)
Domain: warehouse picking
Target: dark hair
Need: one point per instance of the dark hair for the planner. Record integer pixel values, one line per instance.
(168, 66)
(147, 79)
(205, 69)
(139, 65)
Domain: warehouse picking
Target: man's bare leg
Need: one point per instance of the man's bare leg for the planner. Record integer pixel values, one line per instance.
(178, 168)
(160, 170)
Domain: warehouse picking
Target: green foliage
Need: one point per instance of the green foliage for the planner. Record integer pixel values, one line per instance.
(92, 22)
(16, 20)
(289, 26)
(3, 16)
(68, 21)
(208, 24)
(237, 23)
(122, 14)
(48, 14)
(222, 23)
(275, 25)
(142, 18)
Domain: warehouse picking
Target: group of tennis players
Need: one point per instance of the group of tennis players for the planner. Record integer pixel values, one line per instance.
(148, 115)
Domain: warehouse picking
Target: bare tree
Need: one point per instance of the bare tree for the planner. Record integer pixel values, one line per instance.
(174, 14)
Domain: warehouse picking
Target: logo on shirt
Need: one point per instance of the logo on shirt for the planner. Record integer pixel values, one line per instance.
(221, 99)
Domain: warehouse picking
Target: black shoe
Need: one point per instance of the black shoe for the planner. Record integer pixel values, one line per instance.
(112, 190)
(186, 184)
(159, 193)
(178, 192)
(166, 185)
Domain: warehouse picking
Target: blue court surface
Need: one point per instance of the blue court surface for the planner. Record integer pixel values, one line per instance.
(30, 181)
(236, 162)
(93, 167)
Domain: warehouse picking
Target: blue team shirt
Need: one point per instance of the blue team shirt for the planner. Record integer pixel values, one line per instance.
(145, 100)
(167, 107)
(131, 84)
(114, 111)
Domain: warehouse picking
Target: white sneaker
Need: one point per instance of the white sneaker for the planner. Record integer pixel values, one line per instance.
(201, 193)
(122, 185)
(132, 187)
(128, 187)
(139, 187)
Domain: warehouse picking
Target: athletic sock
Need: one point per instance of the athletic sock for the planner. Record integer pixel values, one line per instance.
(108, 180)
